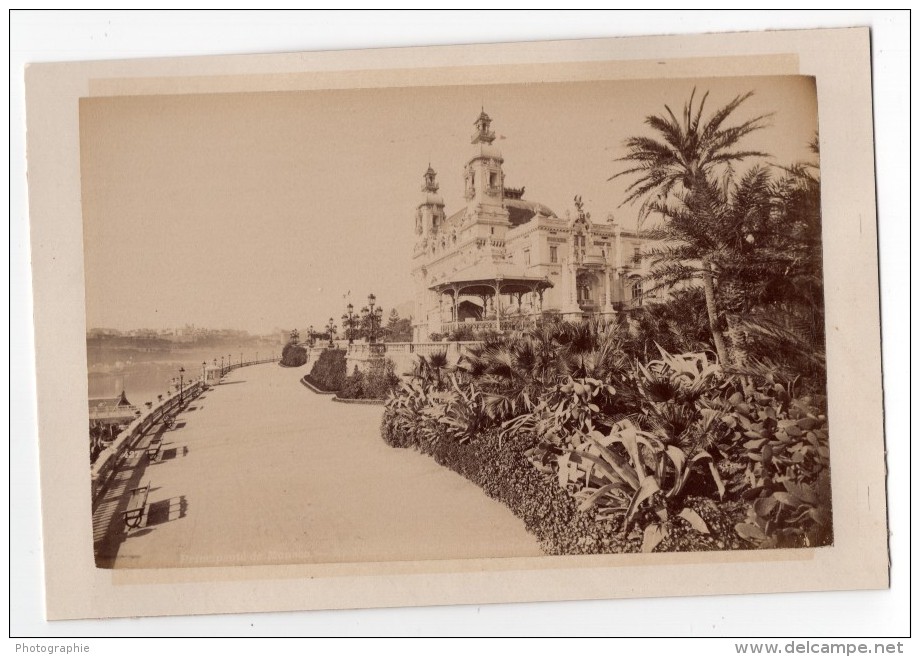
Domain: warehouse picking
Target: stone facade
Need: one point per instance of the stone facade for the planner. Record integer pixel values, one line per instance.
(503, 262)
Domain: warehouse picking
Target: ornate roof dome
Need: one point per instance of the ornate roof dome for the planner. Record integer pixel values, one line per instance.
(520, 210)
(430, 188)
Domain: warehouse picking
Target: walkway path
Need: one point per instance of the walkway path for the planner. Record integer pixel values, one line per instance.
(261, 470)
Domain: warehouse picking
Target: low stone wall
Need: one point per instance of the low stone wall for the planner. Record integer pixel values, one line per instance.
(247, 363)
(403, 354)
(104, 467)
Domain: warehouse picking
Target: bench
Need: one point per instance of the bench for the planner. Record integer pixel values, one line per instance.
(136, 505)
(153, 449)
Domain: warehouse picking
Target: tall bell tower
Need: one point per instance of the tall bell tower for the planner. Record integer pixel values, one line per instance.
(484, 170)
(429, 216)
(429, 224)
(485, 180)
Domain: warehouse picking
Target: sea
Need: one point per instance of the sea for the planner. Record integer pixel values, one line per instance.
(145, 374)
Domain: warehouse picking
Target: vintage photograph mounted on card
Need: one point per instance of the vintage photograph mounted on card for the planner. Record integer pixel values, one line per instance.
(539, 317)
(603, 310)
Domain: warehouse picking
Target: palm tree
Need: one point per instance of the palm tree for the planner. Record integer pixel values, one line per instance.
(784, 282)
(732, 236)
(512, 373)
(687, 162)
(428, 369)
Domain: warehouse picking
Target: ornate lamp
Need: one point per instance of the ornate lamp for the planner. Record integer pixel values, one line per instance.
(350, 323)
(372, 316)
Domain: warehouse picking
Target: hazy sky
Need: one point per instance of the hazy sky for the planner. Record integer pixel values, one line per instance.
(262, 210)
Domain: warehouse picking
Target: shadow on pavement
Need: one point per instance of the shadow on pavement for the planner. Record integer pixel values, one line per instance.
(109, 530)
(164, 511)
(173, 452)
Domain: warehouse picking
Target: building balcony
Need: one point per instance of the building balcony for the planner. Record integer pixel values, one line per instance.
(474, 325)
(406, 350)
(594, 260)
(590, 306)
(508, 323)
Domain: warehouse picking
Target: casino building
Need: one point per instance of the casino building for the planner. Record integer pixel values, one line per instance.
(502, 261)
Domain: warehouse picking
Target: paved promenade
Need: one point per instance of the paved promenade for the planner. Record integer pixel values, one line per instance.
(261, 470)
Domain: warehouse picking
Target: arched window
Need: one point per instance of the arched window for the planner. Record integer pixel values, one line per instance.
(637, 290)
(583, 287)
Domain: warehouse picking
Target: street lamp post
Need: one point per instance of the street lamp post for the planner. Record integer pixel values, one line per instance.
(221, 365)
(372, 316)
(181, 376)
(229, 362)
(204, 373)
(350, 322)
(331, 328)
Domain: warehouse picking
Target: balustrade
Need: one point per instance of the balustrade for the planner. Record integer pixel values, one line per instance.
(103, 468)
(101, 471)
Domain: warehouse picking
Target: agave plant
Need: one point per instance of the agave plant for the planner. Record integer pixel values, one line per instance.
(629, 472)
(688, 376)
(405, 410)
(674, 392)
(459, 412)
(567, 410)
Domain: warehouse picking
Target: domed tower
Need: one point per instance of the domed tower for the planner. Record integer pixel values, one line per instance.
(429, 221)
(429, 215)
(484, 177)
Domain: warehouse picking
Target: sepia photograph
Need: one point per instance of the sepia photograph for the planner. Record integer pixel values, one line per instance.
(455, 322)
(456, 325)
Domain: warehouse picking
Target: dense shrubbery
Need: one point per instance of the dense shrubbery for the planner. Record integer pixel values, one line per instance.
(462, 334)
(329, 370)
(293, 355)
(699, 423)
(677, 326)
(597, 452)
(379, 380)
(503, 473)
